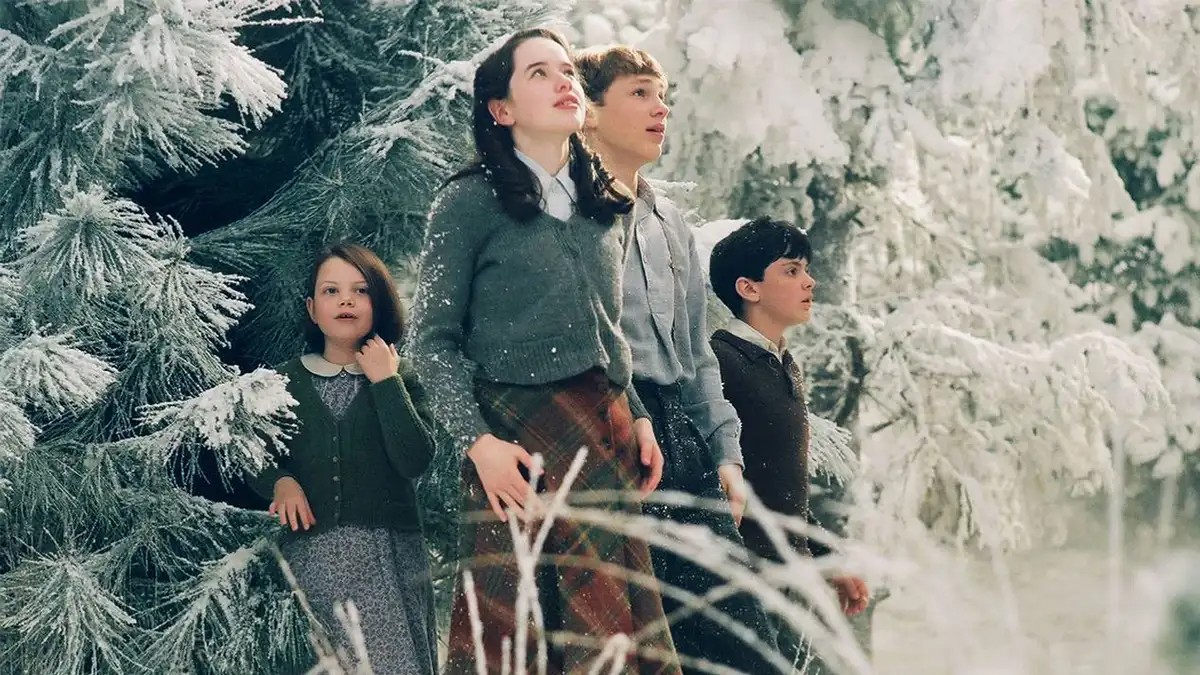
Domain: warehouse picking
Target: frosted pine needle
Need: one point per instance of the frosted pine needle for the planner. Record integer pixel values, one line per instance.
(49, 374)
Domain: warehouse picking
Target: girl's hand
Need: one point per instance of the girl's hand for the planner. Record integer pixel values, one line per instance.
(378, 359)
(497, 463)
(651, 454)
(291, 505)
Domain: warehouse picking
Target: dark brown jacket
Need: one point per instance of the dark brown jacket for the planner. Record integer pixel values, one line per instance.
(775, 434)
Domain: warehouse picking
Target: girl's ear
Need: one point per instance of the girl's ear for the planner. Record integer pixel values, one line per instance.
(308, 305)
(500, 112)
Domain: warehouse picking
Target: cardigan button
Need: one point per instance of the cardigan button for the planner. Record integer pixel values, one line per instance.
(336, 478)
(335, 459)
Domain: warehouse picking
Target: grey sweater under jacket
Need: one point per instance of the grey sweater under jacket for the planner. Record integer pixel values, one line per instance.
(518, 303)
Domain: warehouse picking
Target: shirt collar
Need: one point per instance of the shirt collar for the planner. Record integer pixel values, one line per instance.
(645, 195)
(750, 334)
(317, 365)
(549, 182)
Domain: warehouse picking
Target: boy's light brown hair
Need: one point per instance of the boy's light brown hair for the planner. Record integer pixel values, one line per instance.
(598, 67)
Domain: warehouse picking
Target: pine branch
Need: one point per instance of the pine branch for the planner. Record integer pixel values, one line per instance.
(199, 301)
(92, 244)
(50, 375)
(205, 633)
(240, 422)
(65, 620)
(161, 364)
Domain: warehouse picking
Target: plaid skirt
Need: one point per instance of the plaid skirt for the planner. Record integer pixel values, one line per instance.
(583, 599)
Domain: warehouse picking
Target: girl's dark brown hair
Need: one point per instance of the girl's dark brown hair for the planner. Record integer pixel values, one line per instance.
(520, 193)
(389, 315)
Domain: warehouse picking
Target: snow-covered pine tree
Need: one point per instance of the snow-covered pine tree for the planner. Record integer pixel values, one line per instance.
(166, 171)
(934, 148)
(1143, 272)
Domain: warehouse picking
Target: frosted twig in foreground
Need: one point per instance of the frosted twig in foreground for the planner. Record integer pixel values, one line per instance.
(330, 660)
(826, 627)
(613, 653)
(476, 623)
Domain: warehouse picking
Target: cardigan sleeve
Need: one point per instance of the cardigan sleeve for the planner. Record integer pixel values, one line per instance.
(263, 483)
(407, 433)
(437, 342)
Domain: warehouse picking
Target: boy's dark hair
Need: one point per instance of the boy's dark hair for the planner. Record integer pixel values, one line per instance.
(748, 251)
(388, 312)
(598, 67)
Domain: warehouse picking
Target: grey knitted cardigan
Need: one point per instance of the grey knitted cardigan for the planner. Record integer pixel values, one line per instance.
(518, 303)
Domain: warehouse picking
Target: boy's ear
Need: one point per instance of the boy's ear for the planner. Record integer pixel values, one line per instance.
(747, 289)
(500, 112)
(591, 120)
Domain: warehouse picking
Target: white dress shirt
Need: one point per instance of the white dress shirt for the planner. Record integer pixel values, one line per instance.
(558, 191)
(750, 334)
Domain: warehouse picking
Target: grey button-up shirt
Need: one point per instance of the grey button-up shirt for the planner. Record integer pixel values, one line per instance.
(663, 319)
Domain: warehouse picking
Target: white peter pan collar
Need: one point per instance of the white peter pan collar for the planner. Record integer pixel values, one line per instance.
(318, 365)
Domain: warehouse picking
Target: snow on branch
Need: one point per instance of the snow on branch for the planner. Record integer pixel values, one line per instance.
(199, 301)
(50, 374)
(140, 115)
(239, 421)
(1174, 343)
(65, 619)
(831, 451)
(86, 248)
(17, 433)
(146, 75)
(18, 57)
(986, 432)
(213, 609)
(17, 436)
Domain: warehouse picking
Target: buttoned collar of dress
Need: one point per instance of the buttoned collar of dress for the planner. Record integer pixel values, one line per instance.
(561, 180)
(318, 365)
(750, 334)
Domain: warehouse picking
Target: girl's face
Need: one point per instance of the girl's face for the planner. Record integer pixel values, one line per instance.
(545, 97)
(341, 305)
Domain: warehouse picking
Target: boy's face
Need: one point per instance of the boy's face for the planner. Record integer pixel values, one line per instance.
(631, 119)
(785, 294)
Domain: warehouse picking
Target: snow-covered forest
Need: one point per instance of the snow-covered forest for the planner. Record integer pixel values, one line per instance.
(1004, 198)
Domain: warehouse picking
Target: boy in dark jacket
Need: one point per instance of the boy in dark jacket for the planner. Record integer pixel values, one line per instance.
(760, 272)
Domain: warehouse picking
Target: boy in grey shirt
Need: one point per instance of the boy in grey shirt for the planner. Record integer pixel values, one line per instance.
(675, 372)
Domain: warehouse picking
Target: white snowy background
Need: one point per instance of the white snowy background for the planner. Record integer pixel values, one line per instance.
(1031, 418)
(1004, 196)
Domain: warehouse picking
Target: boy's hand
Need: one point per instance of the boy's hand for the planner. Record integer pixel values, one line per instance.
(651, 454)
(734, 486)
(378, 359)
(852, 593)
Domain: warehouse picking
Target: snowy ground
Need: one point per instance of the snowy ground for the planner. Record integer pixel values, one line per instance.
(955, 621)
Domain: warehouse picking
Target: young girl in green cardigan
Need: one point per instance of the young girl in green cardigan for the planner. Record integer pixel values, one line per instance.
(344, 492)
